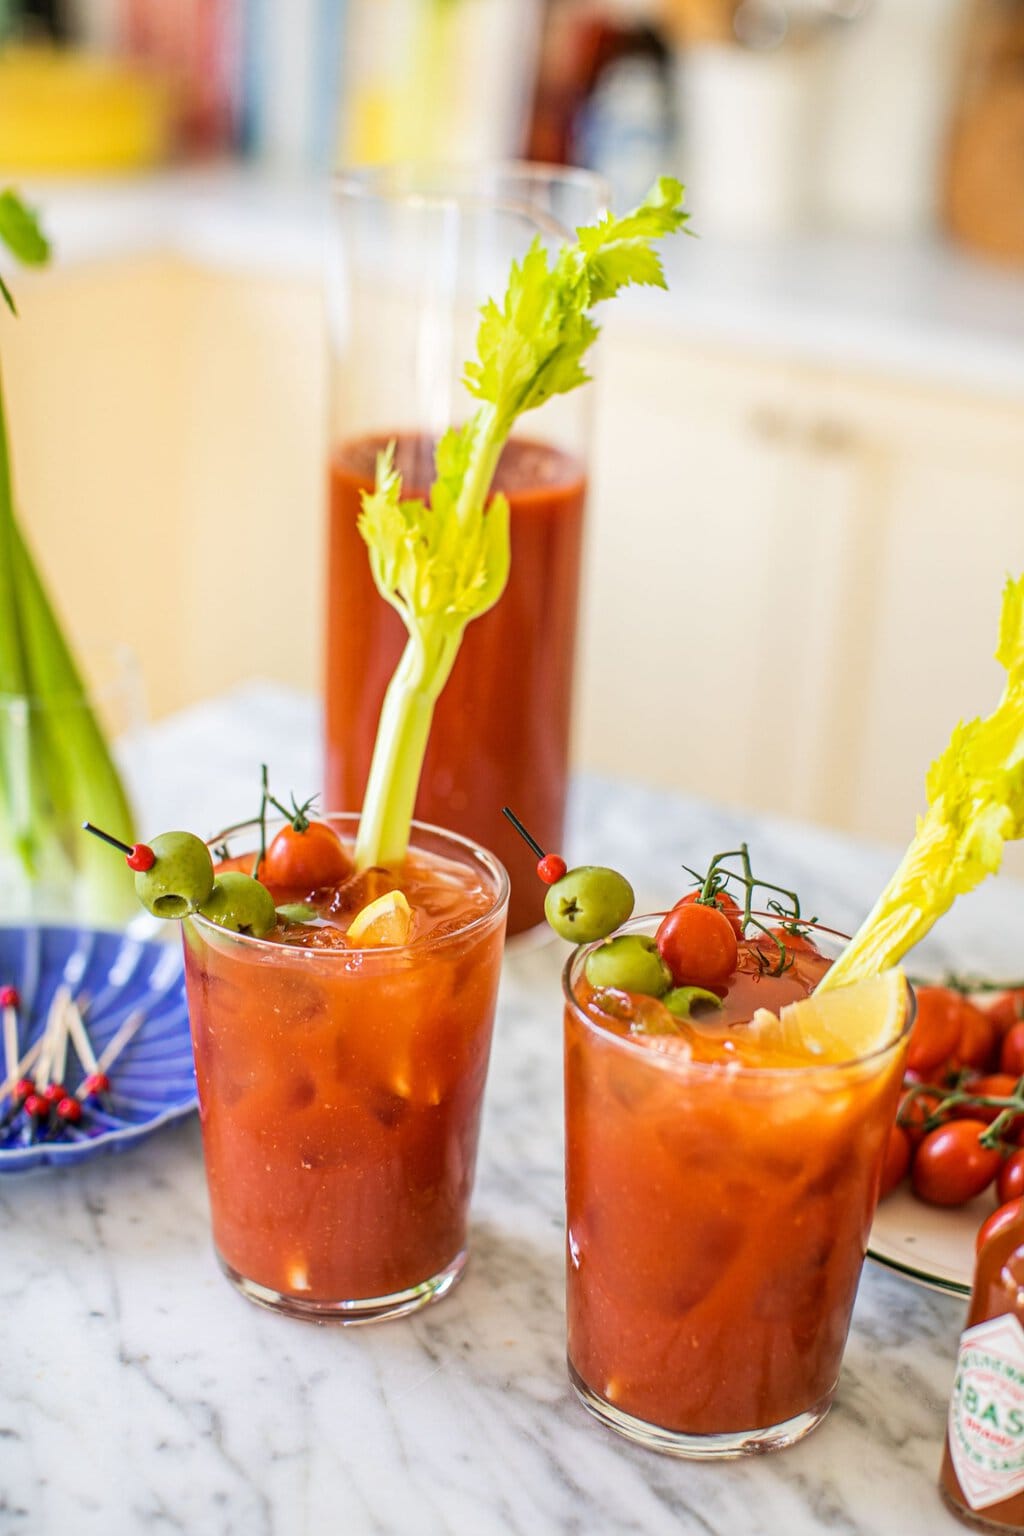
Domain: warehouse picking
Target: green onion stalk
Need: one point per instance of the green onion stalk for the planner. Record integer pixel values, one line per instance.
(444, 562)
(55, 761)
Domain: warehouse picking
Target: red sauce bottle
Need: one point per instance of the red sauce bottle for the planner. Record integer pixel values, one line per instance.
(982, 1477)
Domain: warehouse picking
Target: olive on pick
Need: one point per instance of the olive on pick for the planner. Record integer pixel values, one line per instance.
(180, 877)
(240, 904)
(588, 903)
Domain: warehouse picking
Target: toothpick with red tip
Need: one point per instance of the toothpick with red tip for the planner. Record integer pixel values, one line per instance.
(40, 1100)
(10, 1002)
(18, 1084)
(550, 866)
(138, 856)
(96, 1082)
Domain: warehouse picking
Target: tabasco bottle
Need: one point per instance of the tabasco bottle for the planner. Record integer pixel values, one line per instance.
(982, 1478)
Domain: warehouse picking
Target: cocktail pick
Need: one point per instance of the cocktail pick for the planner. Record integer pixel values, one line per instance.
(139, 856)
(10, 1003)
(97, 1082)
(18, 1084)
(80, 1035)
(69, 1108)
(550, 866)
(38, 1103)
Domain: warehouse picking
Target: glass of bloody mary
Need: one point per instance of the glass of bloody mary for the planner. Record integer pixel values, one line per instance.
(340, 1087)
(719, 1200)
(414, 252)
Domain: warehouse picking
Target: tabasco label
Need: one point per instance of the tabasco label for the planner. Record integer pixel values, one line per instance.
(986, 1412)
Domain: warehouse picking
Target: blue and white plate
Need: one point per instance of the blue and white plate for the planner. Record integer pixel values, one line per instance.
(152, 1080)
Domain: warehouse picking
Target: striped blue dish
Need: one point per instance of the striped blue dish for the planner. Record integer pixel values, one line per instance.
(152, 1081)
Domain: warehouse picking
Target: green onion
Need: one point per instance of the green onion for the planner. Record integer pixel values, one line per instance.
(55, 764)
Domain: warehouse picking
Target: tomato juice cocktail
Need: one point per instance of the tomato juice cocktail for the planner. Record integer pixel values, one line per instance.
(501, 727)
(719, 1199)
(340, 1087)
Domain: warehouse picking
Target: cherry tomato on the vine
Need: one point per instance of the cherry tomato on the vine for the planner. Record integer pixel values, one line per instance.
(1010, 1178)
(1006, 1009)
(698, 944)
(796, 941)
(914, 1110)
(305, 861)
(1002, 1217)
(935, 1034)
(952, 1166)
(1011, 1054)
(977, 1046)
(995, 1085)
(897, 1160)
(724, 902)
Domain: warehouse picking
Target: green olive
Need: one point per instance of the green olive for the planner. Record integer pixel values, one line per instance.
(682, 1000)
(180, 878)
(630, 963)
(588, 903)
(240, 904)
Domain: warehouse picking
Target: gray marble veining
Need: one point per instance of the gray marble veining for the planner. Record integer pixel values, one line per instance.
(139, 1393)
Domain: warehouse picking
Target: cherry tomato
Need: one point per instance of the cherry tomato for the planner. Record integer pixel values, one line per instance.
(724, 902)
(977, 1047)
(897, 1160)
(305, 861)
(242, 861)
(996, 1085)
(1000, 1219)
(1010, 1178)
(914, 1110)
(1006, 1009)
(698, 944)
(936, 1031)
(1011, 1054)
(952, 1166)
(796, 943)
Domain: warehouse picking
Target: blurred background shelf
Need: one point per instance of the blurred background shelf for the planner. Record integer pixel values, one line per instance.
(808, 455)
(910, 306)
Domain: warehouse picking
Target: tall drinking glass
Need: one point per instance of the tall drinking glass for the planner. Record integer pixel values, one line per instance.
(718, 1216)
(414, 252)
(340, 1091)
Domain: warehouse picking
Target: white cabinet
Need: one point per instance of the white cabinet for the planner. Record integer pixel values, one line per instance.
(794, 579)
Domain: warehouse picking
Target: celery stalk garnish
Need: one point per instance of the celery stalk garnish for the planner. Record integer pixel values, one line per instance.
(54, 760)
(975, 794)
(445, 562)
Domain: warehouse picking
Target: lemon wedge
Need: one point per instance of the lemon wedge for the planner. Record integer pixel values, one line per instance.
(842, 1025)
(388, 920)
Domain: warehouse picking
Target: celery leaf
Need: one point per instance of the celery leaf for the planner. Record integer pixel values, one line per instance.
(975, 793)
(442, 563)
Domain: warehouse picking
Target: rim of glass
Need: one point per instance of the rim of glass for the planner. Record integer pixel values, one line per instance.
(418, 182)
(663, 1059)
(476, 851)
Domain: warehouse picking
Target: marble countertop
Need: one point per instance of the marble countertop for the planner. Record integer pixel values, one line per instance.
(139, 1392)
(918, 309)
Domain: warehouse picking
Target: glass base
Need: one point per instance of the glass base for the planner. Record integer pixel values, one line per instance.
(720, 1447)
(369, 1309)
